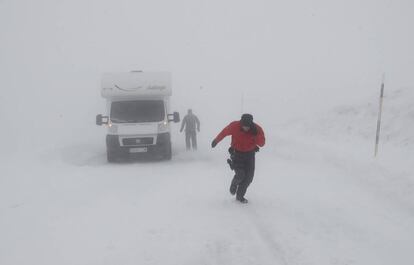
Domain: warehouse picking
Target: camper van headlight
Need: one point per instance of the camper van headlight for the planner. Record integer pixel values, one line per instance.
(163, 126)
(112, 128)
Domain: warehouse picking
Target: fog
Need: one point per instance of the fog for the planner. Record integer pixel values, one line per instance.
(277, 60)
(309, 72)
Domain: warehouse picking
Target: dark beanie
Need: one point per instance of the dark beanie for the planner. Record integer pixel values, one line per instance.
(246, 120)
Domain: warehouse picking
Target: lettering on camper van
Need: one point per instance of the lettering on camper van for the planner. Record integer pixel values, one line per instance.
(128, 89)
(156, 87)
(135, 88)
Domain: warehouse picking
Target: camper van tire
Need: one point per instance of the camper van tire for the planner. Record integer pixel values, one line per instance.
(168, 154)
(111, 157)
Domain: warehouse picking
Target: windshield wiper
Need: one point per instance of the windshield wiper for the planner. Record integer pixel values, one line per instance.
(123, 121)
(118, 120)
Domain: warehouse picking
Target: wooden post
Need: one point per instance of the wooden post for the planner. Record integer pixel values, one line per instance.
(379, 116)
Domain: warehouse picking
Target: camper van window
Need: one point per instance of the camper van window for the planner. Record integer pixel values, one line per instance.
(137, 111)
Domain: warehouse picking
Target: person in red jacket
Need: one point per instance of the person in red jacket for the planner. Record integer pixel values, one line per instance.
(246, 138)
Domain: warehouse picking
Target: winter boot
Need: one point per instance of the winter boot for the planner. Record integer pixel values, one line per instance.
(233, 189)
(242, 200)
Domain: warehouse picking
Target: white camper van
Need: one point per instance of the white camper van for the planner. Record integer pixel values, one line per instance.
(138, 114)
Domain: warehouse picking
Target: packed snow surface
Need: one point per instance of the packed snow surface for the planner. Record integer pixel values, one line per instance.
(309, 72)
(314, 200)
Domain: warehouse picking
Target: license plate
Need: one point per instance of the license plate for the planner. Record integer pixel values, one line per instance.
(138, 150)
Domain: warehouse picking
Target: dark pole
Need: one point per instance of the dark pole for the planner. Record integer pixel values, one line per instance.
(379, 117)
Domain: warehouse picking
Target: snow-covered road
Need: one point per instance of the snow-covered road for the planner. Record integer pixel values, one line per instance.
(308, 204)
(309, 72)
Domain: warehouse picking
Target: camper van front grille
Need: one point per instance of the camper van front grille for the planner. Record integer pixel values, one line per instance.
(138, 141)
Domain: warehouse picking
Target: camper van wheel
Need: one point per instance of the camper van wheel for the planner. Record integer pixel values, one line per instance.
(111, 156)
(168, 153)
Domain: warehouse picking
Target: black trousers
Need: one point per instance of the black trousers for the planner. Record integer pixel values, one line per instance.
(190, 137)
(244, 164)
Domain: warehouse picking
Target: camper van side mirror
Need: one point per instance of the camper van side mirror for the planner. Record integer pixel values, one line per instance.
(175, 117)
(101, 119)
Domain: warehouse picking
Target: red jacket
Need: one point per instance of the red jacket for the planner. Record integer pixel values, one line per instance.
(240, 140)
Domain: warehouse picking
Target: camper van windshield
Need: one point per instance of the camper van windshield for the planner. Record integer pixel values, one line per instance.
(137, 111)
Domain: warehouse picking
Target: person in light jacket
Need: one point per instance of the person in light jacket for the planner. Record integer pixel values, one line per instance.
(192, 125)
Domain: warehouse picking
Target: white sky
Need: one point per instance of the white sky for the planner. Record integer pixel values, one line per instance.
(286, 57)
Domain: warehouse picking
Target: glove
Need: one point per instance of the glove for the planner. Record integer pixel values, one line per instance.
(253, 129)
(257, 149)
(213, 143)
(230, 162)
